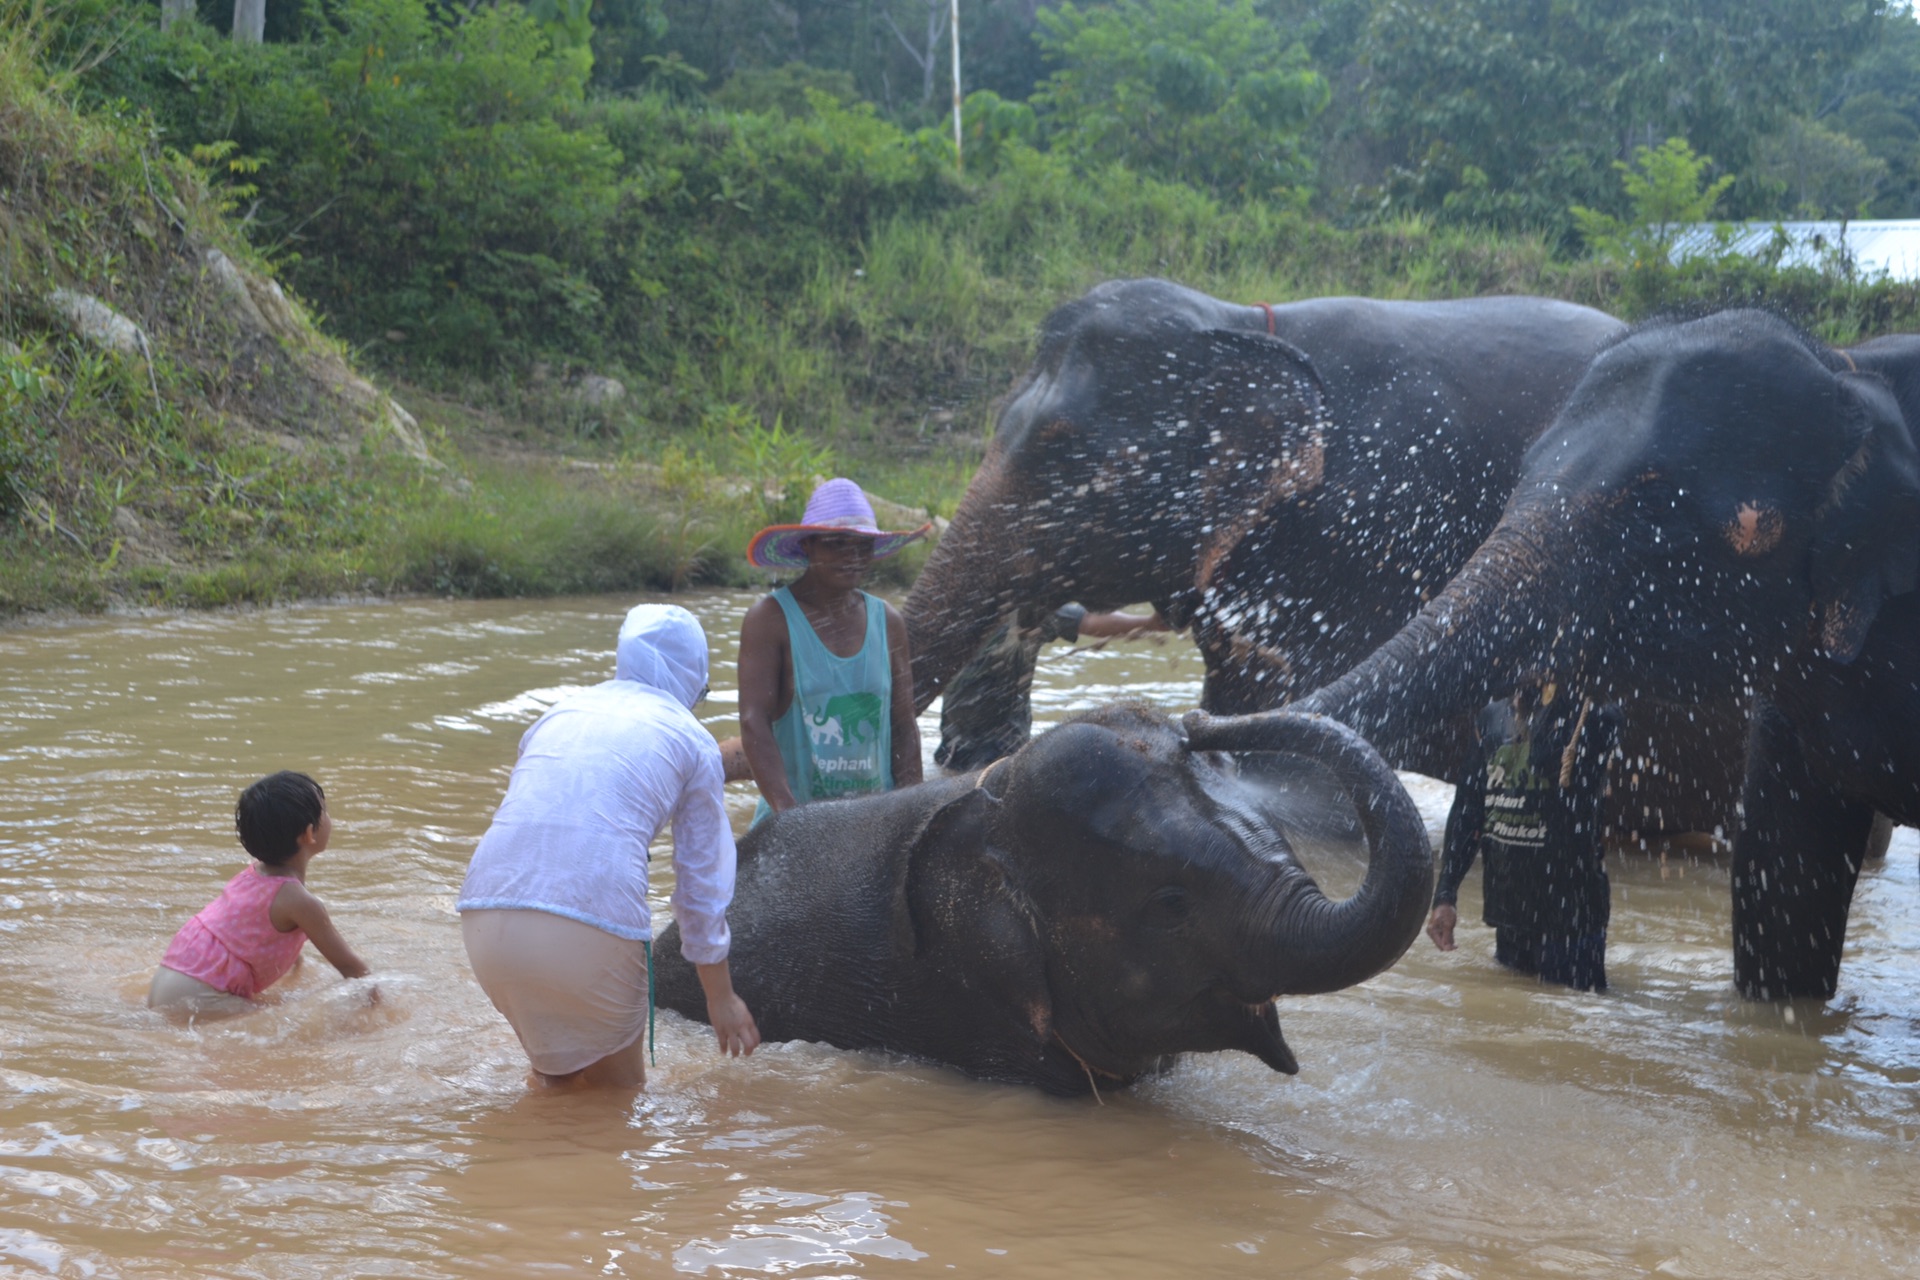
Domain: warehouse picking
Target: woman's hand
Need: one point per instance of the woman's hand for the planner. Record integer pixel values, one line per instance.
(733, 1025)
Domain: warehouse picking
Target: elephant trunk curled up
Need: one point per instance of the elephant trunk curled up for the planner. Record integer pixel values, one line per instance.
(1115, 893)
(1315, 944)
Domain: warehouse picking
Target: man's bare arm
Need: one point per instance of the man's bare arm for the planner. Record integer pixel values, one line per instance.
(763, 664)
(907, 767)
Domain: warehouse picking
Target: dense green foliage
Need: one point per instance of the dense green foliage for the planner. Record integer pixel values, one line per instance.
(1509, 111)
(1201, 91)
(212, 465)
(1669, 190)
(454, 194)
(760, 228)
(1506, 111)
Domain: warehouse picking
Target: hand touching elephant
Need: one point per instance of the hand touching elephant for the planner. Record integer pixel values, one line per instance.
(1113, 894)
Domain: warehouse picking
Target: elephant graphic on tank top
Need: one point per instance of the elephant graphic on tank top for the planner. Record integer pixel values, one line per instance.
(847, 717)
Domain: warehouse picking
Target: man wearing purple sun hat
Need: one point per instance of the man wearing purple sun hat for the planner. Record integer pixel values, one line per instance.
(826, 679)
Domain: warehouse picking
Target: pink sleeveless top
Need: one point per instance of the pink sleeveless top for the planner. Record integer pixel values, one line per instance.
(232, 943)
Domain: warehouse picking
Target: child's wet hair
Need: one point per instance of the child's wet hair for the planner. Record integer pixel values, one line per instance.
(274, 811)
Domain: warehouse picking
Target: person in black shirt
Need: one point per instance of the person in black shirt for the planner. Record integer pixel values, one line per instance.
(1530, 804)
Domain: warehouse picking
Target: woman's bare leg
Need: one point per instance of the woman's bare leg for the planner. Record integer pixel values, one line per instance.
(622, 1069)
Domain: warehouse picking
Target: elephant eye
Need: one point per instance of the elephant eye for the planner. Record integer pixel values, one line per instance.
(1171, 901)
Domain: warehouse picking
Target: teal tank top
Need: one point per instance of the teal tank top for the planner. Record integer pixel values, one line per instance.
(836, 739)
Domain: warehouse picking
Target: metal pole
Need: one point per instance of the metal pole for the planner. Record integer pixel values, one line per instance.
(954, 21)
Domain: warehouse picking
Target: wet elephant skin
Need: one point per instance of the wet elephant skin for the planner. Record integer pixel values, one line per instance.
(1290, 482)
(1725, 509)
(1111, 895)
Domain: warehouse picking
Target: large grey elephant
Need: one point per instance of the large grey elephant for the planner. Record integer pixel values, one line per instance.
(1290, 482)
(1726, 508)
(1115, 893)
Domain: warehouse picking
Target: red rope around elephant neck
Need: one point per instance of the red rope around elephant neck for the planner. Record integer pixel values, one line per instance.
(1268, 308)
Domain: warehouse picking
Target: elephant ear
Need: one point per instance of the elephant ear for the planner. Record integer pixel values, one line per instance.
(1262, 407)
(1866, 546)
(961, 899)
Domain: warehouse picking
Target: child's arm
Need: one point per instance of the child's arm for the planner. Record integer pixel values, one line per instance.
(294, 907)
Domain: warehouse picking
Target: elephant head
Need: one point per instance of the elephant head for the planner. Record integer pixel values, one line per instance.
(1120, 889)
(1720, 502)
(1156, 426)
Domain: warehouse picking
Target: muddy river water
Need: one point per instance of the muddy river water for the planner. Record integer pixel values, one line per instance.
(1449, 1120)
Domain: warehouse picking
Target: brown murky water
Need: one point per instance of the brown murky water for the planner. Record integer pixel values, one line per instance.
(1448, 1120)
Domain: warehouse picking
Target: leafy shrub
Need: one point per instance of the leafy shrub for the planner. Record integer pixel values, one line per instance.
(1194, 91)
(1669, 191)
(421, 180)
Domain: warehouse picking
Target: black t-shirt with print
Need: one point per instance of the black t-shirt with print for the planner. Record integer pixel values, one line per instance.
(1545, 869)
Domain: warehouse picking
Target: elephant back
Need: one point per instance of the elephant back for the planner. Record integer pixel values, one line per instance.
(832, 873)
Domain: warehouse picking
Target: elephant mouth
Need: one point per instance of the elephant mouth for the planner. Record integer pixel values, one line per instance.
(1218, 1021)
(1264, 1041)
(1231, 1023)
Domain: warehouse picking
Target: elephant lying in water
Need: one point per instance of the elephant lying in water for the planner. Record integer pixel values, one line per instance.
(1290, 483)
(1113, 894)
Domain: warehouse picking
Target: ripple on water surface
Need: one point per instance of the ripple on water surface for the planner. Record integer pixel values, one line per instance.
(1448, 1120)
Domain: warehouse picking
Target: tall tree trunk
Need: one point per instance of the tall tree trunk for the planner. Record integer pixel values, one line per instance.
(172, 11)
(927, 59)
(936, 23)
(249, 21)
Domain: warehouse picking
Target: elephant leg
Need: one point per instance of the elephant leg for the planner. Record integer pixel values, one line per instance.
(1795, 862)
(1242, 675)
(1242, 625)
(1881, 838)
(986, 710)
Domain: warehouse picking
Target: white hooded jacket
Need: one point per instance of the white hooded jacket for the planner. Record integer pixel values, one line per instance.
(599, 775)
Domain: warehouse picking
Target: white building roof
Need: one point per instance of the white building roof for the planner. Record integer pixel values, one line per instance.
(1890, 248)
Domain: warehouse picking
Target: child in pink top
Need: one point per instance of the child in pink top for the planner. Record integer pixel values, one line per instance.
(246, 939)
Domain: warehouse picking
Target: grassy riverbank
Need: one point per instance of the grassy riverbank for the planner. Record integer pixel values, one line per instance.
(175, 430)
(780, 293)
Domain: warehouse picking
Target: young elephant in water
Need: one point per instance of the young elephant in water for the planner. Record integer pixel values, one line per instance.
(1111, 895)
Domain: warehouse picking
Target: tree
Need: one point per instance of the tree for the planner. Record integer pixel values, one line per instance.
(1512, 110)
(931, 33)
(895, 50)
(1668, 188)
(1876, 101)
(1821, 172)
(1198, 91)
(249, 21)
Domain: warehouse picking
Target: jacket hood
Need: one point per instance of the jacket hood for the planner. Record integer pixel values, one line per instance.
(664, 647)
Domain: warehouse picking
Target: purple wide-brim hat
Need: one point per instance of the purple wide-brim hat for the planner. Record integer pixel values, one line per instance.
(837, 506)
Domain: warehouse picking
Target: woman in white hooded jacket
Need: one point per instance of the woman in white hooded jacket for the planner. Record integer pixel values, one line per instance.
(554, 909)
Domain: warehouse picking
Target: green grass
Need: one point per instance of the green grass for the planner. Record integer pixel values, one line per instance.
(783, 298)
